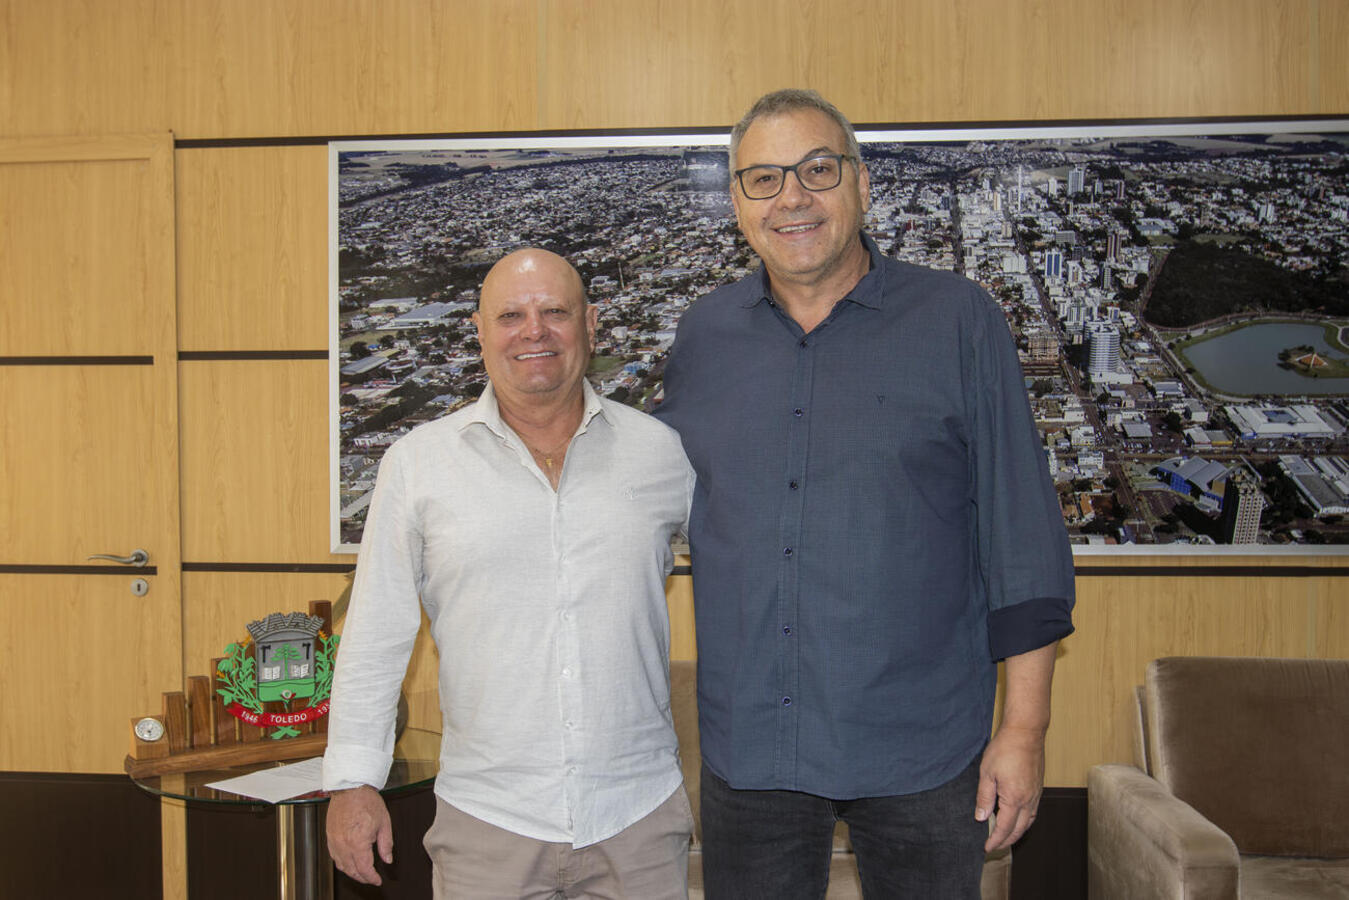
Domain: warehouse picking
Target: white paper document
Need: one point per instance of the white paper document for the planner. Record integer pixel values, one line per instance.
(277, 784)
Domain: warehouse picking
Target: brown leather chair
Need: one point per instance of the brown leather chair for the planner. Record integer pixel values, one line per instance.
(843, 880)
(1239, 788)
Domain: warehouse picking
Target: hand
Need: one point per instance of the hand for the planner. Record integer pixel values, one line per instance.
(1011, 775)
(358, 819)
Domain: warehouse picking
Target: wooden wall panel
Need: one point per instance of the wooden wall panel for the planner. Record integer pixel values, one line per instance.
(255, 461)
(353, 67)
(254, 68)
(92, 502)
(1330, 617)
(1328, 58)
(253, 248)
(71, 690)
(673, 63)
(1200, 57)
(664, 63)
(84, 67)
(61, 271)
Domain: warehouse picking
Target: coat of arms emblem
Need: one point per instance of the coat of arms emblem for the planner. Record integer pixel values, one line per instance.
(286, 659)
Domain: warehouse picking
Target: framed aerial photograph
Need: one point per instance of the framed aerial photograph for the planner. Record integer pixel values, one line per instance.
(1178, 291)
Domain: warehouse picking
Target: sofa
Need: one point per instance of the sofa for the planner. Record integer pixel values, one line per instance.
(1239, 786)
(843, 880)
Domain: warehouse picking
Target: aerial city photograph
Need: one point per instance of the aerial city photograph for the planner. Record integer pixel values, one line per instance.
(1180, 301)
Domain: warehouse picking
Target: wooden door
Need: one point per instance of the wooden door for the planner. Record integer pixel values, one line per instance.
(88, 447)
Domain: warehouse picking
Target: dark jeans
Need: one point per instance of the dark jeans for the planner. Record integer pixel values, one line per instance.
(776, 845)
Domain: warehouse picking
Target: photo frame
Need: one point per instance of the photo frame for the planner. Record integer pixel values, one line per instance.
(1178, 290)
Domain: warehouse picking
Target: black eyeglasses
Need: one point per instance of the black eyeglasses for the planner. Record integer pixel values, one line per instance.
(819, 173)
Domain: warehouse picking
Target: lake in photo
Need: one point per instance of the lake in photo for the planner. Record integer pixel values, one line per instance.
(1246, 361)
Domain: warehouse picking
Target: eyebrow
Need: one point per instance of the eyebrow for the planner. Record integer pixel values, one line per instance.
(810, 154)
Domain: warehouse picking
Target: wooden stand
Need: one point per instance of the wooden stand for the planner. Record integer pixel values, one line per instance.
(200, 734)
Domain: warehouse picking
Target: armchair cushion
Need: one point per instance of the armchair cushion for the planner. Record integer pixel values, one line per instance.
(1280, 877)
(1256, 746)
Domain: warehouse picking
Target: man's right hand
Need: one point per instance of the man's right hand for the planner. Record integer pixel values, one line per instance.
(357, 820)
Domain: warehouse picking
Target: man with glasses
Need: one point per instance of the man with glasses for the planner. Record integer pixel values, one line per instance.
(873, 529)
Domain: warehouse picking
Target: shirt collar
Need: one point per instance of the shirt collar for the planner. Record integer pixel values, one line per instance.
(869, 292)
(487, 412)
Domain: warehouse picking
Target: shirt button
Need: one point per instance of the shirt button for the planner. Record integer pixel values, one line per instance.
(804, 343)
(793, 485)
(786, 629)
(566, 672)
(798, 412)
(787, 551)
(786, 701)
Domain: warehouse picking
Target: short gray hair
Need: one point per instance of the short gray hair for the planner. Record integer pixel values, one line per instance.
(790, 100)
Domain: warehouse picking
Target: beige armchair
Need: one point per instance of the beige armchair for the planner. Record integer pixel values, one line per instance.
(843, 880)
(1239, 788)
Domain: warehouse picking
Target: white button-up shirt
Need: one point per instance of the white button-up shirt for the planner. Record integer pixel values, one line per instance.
(548, 610)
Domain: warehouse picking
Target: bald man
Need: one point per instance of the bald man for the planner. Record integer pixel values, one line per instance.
(534, 528)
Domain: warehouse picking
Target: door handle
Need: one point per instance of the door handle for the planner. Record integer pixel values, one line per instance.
(137, 558)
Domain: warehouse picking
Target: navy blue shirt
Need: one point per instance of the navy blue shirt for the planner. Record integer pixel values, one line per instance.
(873, 528)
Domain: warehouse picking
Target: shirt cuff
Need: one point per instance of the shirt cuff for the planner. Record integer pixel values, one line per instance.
(1028, 625)
(351, 766)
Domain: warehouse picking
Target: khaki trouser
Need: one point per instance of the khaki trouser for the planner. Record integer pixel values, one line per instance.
(648, 860)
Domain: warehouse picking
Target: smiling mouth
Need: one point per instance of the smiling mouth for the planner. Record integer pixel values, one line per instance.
(539, 355)
(797, 229)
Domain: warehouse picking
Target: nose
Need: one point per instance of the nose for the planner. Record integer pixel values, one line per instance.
(793, 192)
(533, 326)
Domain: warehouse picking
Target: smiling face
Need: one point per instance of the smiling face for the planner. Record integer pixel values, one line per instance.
(808, 238)
(535, 328)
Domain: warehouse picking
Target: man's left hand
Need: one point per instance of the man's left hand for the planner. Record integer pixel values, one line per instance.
(1011, 777)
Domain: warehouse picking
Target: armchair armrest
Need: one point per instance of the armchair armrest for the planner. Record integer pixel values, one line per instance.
(1144, 842)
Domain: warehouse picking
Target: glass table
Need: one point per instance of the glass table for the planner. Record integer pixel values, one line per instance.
(304, 869)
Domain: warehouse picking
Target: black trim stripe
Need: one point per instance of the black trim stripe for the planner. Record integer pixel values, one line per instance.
(78, 570)
(1125, 571)
(77, 360)
(317, 568)
(1081, 571)
(721, 130)
(209, 355)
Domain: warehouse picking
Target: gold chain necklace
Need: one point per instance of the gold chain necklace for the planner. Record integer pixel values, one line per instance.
(547, 454)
